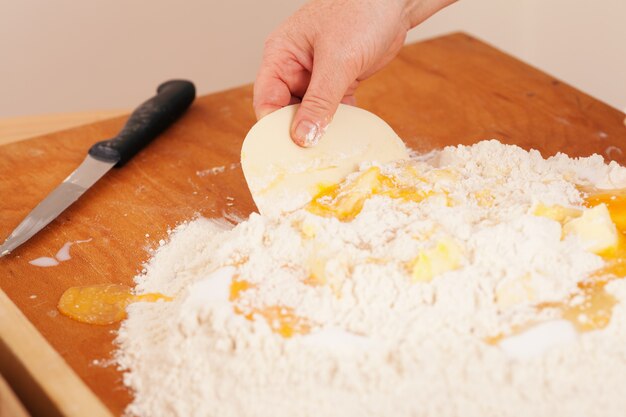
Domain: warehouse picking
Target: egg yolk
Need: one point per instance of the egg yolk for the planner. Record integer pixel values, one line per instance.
(101, 304)
(345, 200)
(282, 320)
(591, 307)
(594, 312)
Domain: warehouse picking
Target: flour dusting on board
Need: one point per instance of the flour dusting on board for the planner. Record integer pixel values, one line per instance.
(461, 283)
(217, 170)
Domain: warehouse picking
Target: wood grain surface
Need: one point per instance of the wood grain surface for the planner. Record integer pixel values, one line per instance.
(38, 374)
(447, 91)
(10, 406)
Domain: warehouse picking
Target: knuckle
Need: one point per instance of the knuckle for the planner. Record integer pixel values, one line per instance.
(270, 42)
(316, 103)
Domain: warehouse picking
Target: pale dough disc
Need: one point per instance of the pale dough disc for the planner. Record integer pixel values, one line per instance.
(283, 176)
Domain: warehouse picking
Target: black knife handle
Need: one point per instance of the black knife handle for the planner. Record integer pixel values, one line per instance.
(146, 122)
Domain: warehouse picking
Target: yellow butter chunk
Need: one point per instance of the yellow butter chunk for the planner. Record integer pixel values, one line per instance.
(484, 198)
(308, 230)
(317, 271)
(515, 291)
(443, 174)
(615, 201)
(557, 213)
(595, 229)
(326, 270)
(444, 257)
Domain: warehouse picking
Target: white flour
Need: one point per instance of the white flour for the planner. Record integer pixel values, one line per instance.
(379, 343)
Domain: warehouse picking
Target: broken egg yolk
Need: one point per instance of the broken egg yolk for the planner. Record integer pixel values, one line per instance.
(101, 304)
(590, 308)
(593, 310)
(282, 320)
(345, 200)
(615, 257)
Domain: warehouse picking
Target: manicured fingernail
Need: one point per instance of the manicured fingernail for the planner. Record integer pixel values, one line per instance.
(307, 133)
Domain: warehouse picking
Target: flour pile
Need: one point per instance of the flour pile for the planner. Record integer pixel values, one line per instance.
(433, 287)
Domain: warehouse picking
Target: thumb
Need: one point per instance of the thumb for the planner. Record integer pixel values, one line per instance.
(329, 82)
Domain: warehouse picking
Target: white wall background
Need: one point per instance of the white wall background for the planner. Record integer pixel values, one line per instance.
(68, 55)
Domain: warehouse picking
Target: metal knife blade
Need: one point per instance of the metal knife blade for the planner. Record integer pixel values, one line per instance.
(79, 181)
(144, 124)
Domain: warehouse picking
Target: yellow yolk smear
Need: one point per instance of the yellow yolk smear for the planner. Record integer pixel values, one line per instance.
(345, 200)
(615, 268)
(282, 320)
(237, 287)
(101, 304)
(595, 310)
(591, 307)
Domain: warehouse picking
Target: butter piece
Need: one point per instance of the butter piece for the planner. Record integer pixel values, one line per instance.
(557, 213)
(515, 291)
(444, 257)
(308, 230)
(595, 229)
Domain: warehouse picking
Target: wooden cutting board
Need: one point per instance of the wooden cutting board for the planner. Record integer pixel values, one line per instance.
(447, 91)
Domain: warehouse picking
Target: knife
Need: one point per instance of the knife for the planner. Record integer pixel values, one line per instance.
(145, 123)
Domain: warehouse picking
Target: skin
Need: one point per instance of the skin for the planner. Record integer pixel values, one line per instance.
(321, 53)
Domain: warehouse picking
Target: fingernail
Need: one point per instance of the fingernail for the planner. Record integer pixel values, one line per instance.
(307, 134)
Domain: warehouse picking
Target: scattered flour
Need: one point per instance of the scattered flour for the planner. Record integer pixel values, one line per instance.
(369, 341)
(217, 170)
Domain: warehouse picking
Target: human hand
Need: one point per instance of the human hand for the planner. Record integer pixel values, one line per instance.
(319, 55)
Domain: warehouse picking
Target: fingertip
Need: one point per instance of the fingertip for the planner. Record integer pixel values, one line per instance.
(306, 133)
(349, 100)
(263, 110)
(309, 125)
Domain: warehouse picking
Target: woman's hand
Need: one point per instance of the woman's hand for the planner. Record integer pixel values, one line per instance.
(319, 55)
